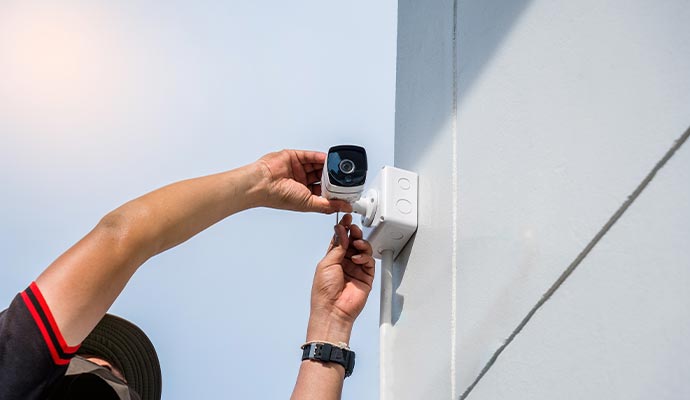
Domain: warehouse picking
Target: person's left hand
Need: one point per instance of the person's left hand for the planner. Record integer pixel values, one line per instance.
(292, 182)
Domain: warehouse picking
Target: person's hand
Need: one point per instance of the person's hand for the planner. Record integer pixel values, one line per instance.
(291, 182)
(342, 283)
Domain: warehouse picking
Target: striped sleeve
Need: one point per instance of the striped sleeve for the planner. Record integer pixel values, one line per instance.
(33, 352)
(60, 352)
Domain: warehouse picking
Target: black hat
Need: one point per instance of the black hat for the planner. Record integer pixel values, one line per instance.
(127, 347)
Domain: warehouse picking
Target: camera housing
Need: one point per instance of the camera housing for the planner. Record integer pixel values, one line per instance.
(344, 173)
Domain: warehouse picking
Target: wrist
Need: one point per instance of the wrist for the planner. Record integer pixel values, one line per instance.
(328, 327)
(262, 178)
(255, 188)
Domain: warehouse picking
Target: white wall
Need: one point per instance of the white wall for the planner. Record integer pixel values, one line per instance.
(530, 123)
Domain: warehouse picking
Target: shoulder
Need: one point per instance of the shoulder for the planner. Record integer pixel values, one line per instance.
(33, 354)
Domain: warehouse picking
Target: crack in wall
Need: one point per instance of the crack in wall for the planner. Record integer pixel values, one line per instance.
(580, 257)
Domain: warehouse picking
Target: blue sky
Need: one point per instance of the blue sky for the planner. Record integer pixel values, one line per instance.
(102, 101)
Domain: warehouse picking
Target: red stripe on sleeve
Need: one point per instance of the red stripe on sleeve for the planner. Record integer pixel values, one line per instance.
(46, 310)
(44, 332)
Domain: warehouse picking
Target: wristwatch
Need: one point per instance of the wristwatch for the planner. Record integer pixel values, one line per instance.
(326, 352)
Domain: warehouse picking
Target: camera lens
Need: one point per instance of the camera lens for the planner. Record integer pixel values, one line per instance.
(347, 166)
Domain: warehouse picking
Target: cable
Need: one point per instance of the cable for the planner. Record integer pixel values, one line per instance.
(385, 322)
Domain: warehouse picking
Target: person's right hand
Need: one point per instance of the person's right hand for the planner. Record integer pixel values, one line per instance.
(342, 283)
(291, 182)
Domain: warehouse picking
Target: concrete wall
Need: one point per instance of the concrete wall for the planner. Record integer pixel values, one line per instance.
(530, 124)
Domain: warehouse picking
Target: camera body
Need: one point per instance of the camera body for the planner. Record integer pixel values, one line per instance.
(344, 173)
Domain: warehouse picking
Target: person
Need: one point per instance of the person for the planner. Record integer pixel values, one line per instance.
(57, 342)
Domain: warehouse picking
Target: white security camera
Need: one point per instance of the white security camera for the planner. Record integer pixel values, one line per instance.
(344, 173)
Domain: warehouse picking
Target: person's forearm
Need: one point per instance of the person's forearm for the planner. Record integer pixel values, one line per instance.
(83, 282)
(317, 380)
(170, 215)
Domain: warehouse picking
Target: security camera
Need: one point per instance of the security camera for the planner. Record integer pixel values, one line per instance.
(344, 173)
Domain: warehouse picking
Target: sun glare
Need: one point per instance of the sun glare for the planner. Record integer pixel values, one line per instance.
(65, 83)
(53, 58)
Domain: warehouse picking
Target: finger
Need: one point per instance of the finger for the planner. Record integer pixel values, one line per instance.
(351, 252)
(363, 246)
(316, 189)
(313, 168)
(312, 177)
(364, 272)
(339, 244)
(361, 258)
(342, 206)
(357, 273)
(334, 241)
(310, 157)
(298, 172)
(364, 260)
(346, 220)
(326, 206)
(340, 238)
(358, 247)
(355, 232)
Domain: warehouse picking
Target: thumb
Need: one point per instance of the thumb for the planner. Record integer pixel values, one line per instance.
(338, 248)
(325, 206)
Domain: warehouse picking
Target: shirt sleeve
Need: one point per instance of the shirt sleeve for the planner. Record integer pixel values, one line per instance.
(33, 352)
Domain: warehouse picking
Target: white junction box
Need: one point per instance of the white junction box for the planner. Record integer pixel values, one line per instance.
(389, 210)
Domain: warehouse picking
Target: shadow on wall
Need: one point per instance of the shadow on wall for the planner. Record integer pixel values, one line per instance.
(399, 266)
(424, 66)
(481, 28)
(424, 87)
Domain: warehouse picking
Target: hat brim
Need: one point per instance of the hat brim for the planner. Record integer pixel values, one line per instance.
(127, 347)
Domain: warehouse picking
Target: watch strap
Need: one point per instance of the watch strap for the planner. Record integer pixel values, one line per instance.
(326, 352)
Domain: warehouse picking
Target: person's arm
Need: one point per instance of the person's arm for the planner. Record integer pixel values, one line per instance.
(83, 282)
(342, 283)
